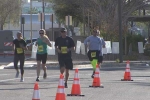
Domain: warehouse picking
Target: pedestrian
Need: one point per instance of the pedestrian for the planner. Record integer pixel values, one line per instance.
(64, 45)
(41, 55)
(94, 44)
(19, 45)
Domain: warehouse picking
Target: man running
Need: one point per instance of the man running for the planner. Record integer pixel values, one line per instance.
(19, 45)
(41, 56)
(64, 44)
(94, 44)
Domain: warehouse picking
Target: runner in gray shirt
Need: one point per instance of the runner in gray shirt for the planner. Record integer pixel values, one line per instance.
(94, 44)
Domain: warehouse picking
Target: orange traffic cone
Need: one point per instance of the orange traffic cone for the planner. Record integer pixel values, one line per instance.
(76, 91)
(36, 93)
(60, 91)
(96, 80)
(127, 74)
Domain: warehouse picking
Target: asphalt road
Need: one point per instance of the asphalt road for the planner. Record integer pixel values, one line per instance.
(12, 89)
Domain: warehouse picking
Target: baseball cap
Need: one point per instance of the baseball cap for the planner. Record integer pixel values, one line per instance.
(63, 30)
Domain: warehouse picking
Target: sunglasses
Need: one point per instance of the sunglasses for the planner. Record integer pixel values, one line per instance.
(63, 31)
(41, 33)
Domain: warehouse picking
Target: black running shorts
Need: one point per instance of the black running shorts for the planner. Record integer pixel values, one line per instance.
(65, 61)
(41, 57)
(95, 54)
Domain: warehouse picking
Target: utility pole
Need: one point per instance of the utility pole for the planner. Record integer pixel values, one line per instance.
(43, 5)
(31, 19)
(120, 31)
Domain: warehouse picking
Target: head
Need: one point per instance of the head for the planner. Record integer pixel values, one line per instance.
(98, 33)
(19, 35)
(95, 32)
(63, 32)
(42, 32)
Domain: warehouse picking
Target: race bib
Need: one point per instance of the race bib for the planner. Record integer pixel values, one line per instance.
(63, 50)
(93, 54)
(19, 50)
(40, 48)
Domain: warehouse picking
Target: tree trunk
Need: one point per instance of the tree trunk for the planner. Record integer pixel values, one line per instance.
(1, 26)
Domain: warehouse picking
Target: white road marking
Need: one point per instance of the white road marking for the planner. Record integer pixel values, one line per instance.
(24, 77)
(4, 74)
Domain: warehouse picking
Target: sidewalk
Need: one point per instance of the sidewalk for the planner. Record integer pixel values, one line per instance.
(31, 63)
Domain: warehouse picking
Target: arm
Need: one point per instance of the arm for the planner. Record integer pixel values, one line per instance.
(103, 43)
(13, 45)
(24, 46)
(86, 42)
(36, 43)
(72, 45)
(47, 41)
(57, 49)
(56, 46)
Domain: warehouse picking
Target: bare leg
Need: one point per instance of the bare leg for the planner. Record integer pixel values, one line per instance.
(38, 68)
(66, 75)
(44, 68)
(62, 70)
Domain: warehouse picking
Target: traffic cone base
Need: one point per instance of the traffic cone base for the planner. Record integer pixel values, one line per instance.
(101, 86)
(125, 80)
(75, 95)
(60, 96)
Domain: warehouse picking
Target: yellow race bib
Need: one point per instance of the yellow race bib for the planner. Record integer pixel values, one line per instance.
(19, 50)
(93, 54)
(63, 50)
(40, 48)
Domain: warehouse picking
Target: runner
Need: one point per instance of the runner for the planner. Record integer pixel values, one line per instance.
(94, 44)
(64, 44)
(19, 45)
(41, 56)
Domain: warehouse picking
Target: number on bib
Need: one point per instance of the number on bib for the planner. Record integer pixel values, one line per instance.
(19, 50)
(93, 54)
(40, 48)
(63, 50)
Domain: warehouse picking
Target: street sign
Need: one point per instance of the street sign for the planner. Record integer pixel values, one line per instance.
(68, 20)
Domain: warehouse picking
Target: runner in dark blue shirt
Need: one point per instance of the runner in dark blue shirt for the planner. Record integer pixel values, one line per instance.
(64, 44)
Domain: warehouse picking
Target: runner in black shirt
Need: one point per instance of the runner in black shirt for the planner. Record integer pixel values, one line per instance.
(64, 45)
(19, 45)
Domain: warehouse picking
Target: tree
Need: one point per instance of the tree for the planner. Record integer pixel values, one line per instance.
(9, 10)
(103, 13)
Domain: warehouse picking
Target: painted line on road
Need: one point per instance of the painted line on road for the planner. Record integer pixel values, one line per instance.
(4, 74)
(24, 77)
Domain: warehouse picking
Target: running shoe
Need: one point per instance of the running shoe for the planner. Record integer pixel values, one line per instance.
(45, 76)
(66, 86)
(37, 79)
(22, 79)
(92, 76)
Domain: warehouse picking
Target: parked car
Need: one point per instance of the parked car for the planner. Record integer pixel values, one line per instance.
(29, 40)
(29, 45)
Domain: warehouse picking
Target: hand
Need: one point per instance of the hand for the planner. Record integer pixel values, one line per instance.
(59, 51)
(44, 40)
(68, 50)
(21, 45)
